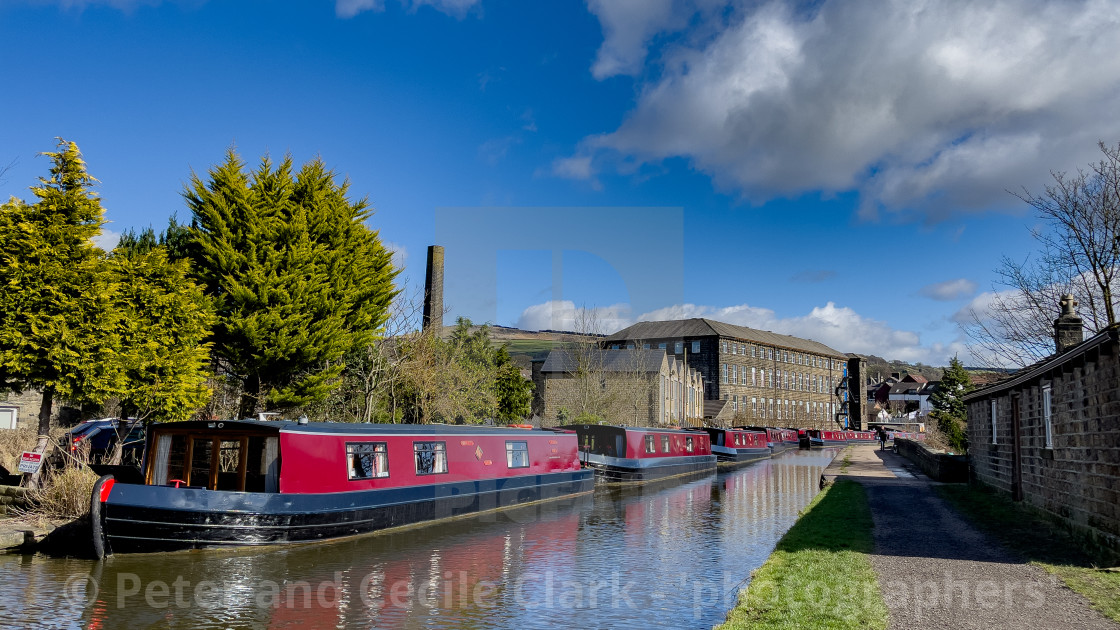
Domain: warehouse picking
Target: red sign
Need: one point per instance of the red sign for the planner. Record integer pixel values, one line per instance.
(30, 462)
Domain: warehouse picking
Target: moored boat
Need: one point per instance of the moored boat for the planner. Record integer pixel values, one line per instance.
(737, 446)
(638, 454)
(248, 482)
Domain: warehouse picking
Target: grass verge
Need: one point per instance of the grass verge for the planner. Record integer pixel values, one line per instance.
(819, 576)
(1042, 543)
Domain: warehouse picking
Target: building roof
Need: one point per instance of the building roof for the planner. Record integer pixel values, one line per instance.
(1045, 366)
(645, 361)
(703, 327)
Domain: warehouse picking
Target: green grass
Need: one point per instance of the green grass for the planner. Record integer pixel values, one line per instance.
(536, 349)
(820, 575)
(1042, 543)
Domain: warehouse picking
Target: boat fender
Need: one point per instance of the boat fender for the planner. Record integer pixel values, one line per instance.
(97, 497)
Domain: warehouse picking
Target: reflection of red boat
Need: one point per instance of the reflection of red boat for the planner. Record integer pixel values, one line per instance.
(734, 447)
(619, 454)
(253, 483)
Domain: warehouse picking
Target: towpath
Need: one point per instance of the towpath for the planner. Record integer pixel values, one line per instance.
(938, 571)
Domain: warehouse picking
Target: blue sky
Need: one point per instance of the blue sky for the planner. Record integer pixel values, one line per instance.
(833, 170)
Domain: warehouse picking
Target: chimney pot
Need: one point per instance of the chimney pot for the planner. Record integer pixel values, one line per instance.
(1068, 328)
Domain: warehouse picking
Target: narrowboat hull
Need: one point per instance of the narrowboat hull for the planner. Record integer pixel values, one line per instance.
(145, 518)
(733, 457)
(636, 470)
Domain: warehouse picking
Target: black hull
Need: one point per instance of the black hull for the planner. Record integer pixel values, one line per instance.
(814, 443)
(741, 457)
(620, 470)
(157, 518)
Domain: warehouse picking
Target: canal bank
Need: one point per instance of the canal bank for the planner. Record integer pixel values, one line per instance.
(931, 568)
(659, 556)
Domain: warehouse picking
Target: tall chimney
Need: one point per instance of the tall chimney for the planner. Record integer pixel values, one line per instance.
(1068, 331)
(433, 290)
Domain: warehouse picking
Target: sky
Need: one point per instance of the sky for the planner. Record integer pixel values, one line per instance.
(840, 170)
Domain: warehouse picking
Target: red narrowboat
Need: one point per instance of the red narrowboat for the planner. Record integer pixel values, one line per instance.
(249, 482)
(736, 446)
(636, 454)
(779, 439)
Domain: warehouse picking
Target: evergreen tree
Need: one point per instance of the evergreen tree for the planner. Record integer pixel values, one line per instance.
(57, 328)
(515, 392)
(948, 404)
(164, 322)
(296, 277)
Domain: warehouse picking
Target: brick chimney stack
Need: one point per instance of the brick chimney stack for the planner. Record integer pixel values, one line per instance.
(433, 290)
(1068, 329)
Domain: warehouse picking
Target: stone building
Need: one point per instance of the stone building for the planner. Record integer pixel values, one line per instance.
(1049, 435)
(766, 378)
(632, 387)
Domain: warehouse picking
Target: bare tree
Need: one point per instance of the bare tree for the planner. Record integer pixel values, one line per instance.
(1079, 254)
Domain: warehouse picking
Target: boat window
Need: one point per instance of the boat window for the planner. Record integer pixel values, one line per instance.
(367, 460)
(517, 454)
(688, 444)
(229, 465)
(431, 457)
(738, 440)
(199, 474)
(650, 446)
(664, 443)
(262, 470)
(176, 461)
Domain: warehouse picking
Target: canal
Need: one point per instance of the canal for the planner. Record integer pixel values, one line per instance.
(658, 556)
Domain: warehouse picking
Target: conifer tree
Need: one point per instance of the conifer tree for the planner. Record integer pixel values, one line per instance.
(57, 328)
(948, 404)
(164, 320)
(296, 277)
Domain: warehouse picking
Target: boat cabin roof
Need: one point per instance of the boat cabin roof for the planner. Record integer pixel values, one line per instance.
(339, 428)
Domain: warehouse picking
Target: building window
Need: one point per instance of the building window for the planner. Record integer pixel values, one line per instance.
(754, 381)
(695, 347)
(723, 373)
(664, 443)
(661, 346)
(1046, 419)
(431, 457)
(993, 421)
(678, 347)
(723, 346)
(651, 447)
(734, 348)
(367, 460)
(517, 454)
(645, 346)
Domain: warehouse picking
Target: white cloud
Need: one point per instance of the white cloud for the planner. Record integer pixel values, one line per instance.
(920, 106)
(565, 315)
(840, 328)
(949, 290)
(454, 8)
(107, 239)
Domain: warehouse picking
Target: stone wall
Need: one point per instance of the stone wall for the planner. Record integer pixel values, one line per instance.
(29, 402)
(1076, 478)
(935, 464)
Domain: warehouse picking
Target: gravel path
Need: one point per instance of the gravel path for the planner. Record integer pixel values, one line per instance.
(937, 571)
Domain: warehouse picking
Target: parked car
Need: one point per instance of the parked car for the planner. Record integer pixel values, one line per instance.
(102, 436)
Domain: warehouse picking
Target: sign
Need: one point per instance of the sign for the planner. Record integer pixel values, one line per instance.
(30, 462)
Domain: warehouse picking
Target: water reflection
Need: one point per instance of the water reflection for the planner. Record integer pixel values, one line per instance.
(667, 555)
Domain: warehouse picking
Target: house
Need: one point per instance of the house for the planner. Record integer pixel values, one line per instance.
(1049, 435)
(636, 387)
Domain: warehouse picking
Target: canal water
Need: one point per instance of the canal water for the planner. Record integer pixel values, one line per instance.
(671, 555)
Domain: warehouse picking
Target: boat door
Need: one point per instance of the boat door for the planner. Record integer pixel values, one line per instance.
(216, 461)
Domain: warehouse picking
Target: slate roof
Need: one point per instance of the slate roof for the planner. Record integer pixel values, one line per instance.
(703, 327)
(613, 361)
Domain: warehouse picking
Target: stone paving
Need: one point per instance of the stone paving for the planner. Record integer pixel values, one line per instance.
(937, 571)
